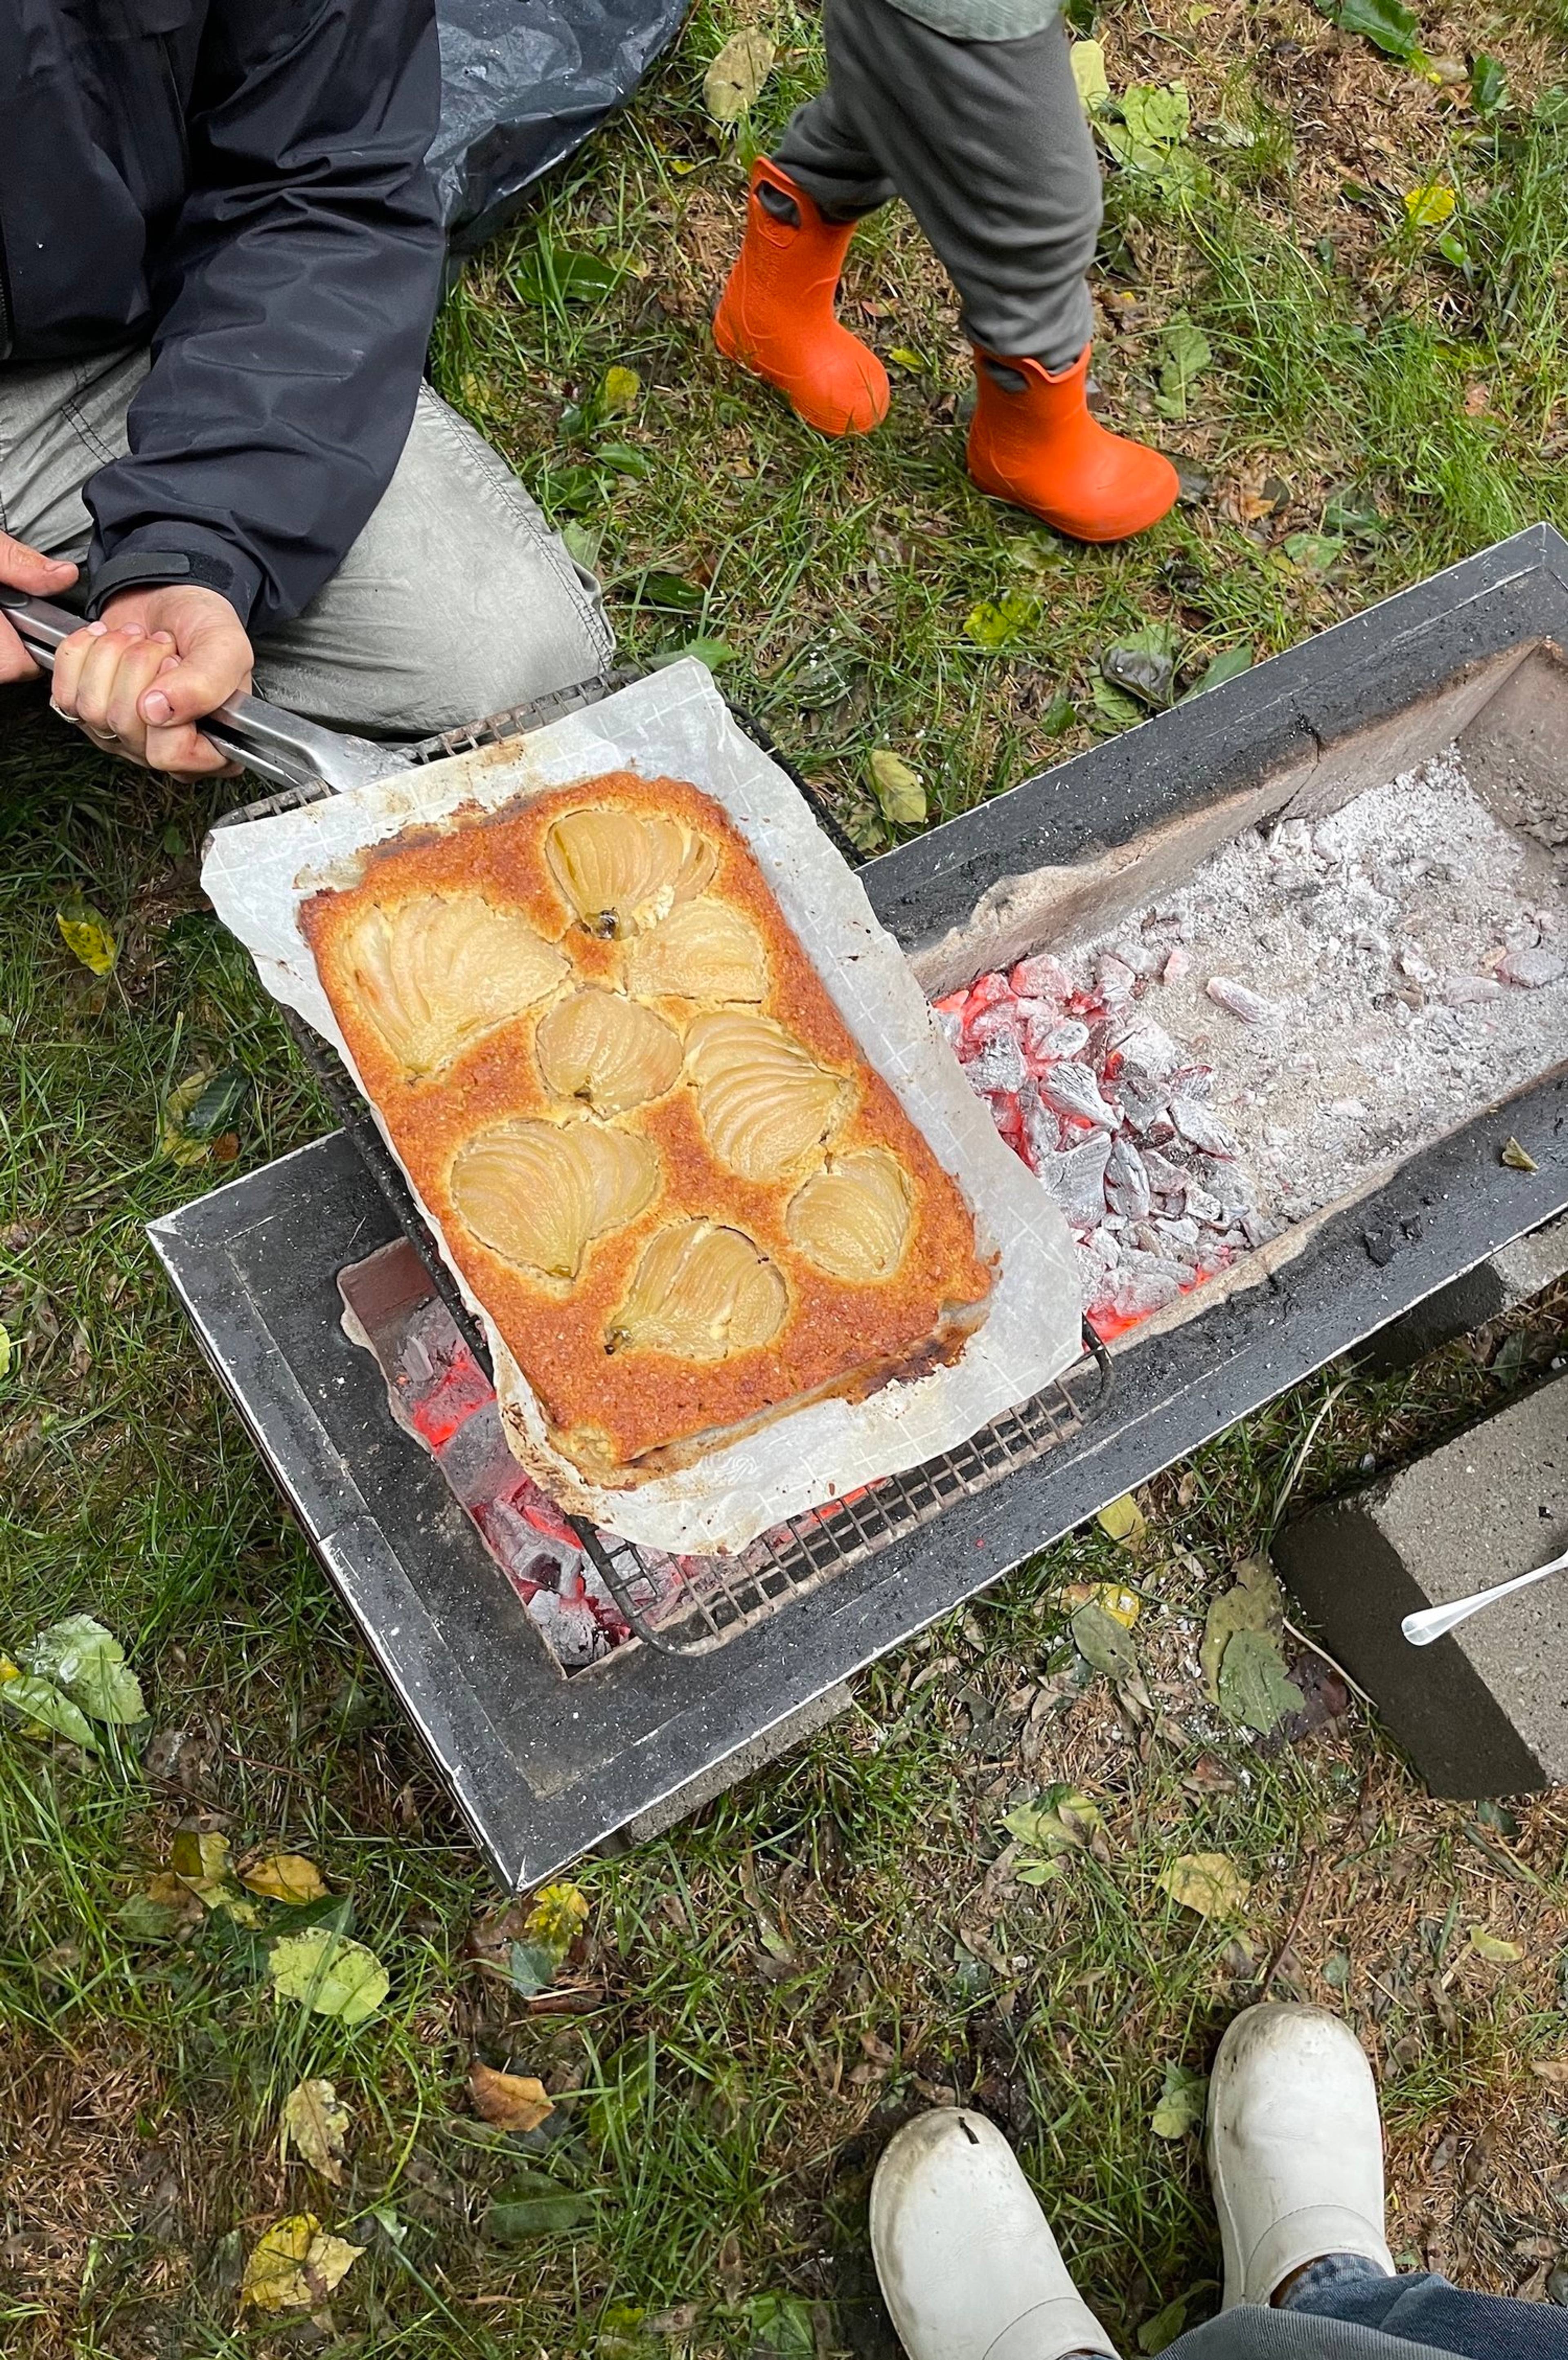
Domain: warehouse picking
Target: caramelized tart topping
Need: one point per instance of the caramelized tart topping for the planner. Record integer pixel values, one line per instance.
(622, 870)
(701, 1292)
(434, 975)
(764, 1103)
(611, 1052)
(851, 1219)
(539, 1193)
(704, 950)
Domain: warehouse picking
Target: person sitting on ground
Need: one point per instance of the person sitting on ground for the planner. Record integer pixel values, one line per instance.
(970, 2270)
(968, 110)
(220, 261)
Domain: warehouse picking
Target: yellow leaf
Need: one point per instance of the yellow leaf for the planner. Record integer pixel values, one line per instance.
(514, 2102)
(1207, 1882)
(1123, 1606)
(1430, 206)
(1517, 1158)
(314, 2123)
(1123, 1520)
(906, 358)
(618, 390)
(204, 1866)
(899, 788)
(1089, 73)
(87, 934)
(174, 1141)
(4, 1350)
(285, 1876)
(8, 1670)
(557, 1914)
(295, 2266)
(1493, 1947)
(735, 78)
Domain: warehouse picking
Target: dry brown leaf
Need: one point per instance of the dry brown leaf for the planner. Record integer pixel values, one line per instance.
(513, 2102)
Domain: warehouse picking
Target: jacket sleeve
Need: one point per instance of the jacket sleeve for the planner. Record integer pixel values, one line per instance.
(293, 299)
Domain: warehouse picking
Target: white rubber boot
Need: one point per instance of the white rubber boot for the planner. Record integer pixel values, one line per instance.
(1295, 2149)
(968, 2266)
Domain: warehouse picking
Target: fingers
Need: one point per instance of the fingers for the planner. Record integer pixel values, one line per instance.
(21, 568)
(215, 661)
(99, 679)
(186, 753)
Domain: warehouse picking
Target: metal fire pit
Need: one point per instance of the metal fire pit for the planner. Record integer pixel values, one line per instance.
(543, 1766)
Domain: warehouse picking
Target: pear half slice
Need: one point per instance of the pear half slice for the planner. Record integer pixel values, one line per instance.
(852, 1218)
(621, 870)
(437, 973)
(704, 950)
(764, 1102)
(611, 1052)
(701, 1292)
(539, 1193)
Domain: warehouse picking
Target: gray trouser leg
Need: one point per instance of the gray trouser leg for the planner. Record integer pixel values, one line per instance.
(456, 601)
(987, 143)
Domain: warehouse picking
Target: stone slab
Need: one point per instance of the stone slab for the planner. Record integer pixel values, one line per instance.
(1484, 1711)
(1511, 1275)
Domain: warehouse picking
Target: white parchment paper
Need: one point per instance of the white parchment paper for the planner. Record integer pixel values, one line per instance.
(675, 724)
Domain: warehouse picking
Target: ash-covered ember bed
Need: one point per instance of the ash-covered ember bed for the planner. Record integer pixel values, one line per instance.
(1261, 991)
(1323, 997)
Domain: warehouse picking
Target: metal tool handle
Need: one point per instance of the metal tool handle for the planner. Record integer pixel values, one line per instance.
(276, 743)
(1435, 1622)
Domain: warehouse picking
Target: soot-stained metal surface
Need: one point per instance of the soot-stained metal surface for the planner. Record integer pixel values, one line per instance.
(543, 1767)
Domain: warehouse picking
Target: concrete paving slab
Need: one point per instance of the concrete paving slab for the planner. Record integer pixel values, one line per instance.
(1484, 1711)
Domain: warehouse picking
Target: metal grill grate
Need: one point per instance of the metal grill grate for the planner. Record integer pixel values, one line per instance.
(723, 1596)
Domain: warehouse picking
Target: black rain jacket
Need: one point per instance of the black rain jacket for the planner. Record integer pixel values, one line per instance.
(240, 184)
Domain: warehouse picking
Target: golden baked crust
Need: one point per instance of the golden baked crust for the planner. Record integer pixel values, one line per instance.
(469, 963)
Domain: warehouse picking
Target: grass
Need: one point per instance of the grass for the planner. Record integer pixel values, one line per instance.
(783, 1978)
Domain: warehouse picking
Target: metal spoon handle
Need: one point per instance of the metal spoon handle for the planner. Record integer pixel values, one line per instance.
(1433, 1622)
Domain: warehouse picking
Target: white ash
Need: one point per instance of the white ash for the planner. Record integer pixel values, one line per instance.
(1359, 987)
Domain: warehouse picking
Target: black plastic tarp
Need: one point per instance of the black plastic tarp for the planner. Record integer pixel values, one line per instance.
(523, 84)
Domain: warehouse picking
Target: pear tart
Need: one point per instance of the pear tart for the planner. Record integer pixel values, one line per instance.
(652, 1148)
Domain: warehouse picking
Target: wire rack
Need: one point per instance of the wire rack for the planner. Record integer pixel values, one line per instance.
(714, 1599)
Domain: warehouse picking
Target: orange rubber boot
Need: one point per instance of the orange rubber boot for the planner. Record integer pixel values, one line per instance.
(1041, 449)
(776, 315)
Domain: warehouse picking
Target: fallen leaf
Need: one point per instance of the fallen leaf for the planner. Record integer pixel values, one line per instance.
(204, 1866)
(175, 1139)
(330, 1973)
(619, 389)
(735, 80)
(1188, 353)
(1103, 1642)
(532, 2204)
(557, 1915)
(89, 1664)
(285, 1876)
(158, 1913)
(783, 2327)
(220, 1099)
(1552, 2071)
(1207, 1882)
(1229, 664)
(1254, 1686)
(315, 2124)
(1062, 1819)
(295, 2266)
(1389, 25)
(86, 934)
(1123, 1520)
(5, 1350)
(997, 622)
(45, 1708)
(514, 2101)
(1112, 709)
(1517, 1158)
(899, 788)
(1492, 1947)
(1489, 86)
(1429, 205)
(1182, 2105)
(1256, 1603)
(710, 652)
(1093, 83)
(906, 358)
(1165, 2326)
(1123, 1606)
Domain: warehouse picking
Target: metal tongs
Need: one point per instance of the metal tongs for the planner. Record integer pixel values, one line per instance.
(276, 745)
